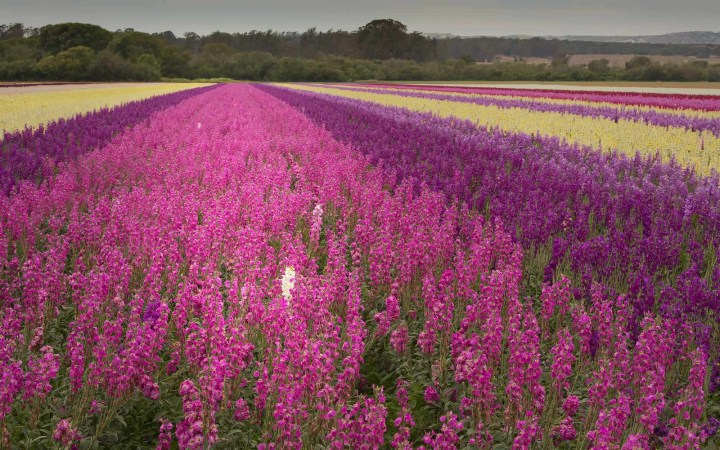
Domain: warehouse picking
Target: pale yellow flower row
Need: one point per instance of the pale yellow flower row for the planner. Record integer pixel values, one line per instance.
(692, 149)
(557, 101)
(19, 108)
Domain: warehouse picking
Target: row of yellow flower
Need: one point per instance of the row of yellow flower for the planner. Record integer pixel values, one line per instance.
(554, 101)
(692, 149)
(32, 108)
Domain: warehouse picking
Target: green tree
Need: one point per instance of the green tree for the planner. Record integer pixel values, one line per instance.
(169, 37)
(562, 60)
(174, 61)
(131, 44)
(56, 38)
(599, 66)
(109, 66)
(638, 62)
(72, 64)
(250, 66)
(192, 42)
(18, 57)
(12, 31)
(148, 67)
(419, 48)
(382, 39)
(289, 69)
(213, 61)
(713, 72)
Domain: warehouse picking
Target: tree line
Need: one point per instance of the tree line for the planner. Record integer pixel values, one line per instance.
(382, 50)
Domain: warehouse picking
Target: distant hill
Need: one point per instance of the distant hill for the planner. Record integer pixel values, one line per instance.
(687, 37)
(440, 35)
(681, 38)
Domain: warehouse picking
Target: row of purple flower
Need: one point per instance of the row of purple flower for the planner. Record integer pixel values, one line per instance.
(670, 101)
(637, 225)
(33, 153)
(658, 117)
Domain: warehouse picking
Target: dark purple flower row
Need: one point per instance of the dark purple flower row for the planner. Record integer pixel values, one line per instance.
(637, 225)
(31, 153)
(658, 118)
(671, 101)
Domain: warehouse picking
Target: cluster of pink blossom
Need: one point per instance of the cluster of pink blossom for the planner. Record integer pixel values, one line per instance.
(232, 268)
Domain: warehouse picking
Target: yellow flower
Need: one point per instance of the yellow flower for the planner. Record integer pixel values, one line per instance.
(20, 108)
(698, 149)
(554, 101)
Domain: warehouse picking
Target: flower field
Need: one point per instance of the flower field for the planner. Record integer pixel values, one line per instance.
(691, 138)
(33, 106)
(356, 266)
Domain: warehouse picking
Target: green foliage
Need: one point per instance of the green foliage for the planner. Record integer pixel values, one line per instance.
(132, 44)
(109, 66)
(638, 62)
(250, 66)
(388, 38)
(288, 69)
(56, 38)
(174, 61)
(12, 31)
(561, 60)
(19, 70)
(599, 66)
(485, 48)
(72, 64)
(148, 67)
(380, 50)
(17, 58)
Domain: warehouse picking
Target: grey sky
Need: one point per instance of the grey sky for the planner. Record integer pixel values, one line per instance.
(463, 17)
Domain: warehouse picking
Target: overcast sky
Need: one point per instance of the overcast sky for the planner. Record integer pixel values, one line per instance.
(462, 17)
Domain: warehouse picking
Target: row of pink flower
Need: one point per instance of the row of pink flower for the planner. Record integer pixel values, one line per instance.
(247, 275)
(166, 248)
(669, 101)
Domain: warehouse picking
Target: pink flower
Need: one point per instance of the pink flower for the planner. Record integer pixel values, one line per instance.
(447, 438)
(399, 338)
(528, 432)
(65, 433)
(570, 405)
(555, 297)
(611, 423)
(242, 411)
(565, 431)
(563, 359)
(149, 388)
(191, 431)
(165, 436)
(431, 395)
(404, 422)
